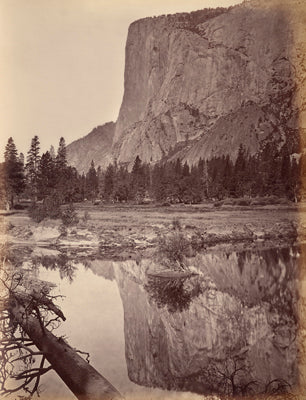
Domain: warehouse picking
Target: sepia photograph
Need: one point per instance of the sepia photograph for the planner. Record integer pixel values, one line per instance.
(153, 199)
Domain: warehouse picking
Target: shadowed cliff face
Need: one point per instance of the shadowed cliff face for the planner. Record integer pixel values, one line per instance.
(216, 79)
(230, 330)
(95, 146)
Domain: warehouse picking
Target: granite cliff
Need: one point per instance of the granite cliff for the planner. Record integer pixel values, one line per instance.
(95, 146)
(206, 81)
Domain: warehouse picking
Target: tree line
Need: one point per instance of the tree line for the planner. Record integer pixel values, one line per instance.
(41, 177)
(269, 173)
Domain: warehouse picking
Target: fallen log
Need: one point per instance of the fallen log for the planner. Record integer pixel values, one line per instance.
(24, 298)
(81, 378)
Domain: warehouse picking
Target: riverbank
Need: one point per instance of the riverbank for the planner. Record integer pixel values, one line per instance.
(125, 232)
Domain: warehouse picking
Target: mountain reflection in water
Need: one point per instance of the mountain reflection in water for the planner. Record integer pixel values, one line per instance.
(173, 293)
(231, 329)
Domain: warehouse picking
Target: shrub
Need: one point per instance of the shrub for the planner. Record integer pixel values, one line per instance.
(69, 215)
(272, 199)
(176, 224)
(227, 202)
(63, 230)
(283, 201)
(261, 201)
(86, 216)
(10, 226)
(243, 202)
(50, 208)
(37, 212)
(173, 249)
(19, 207)
(269, 200)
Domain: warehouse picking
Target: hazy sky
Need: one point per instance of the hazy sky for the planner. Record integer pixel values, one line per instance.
(62, 63)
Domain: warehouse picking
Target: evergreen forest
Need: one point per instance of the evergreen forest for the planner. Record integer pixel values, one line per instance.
(48, 177)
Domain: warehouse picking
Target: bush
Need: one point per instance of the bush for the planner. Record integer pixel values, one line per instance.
(69, 215)
(268, 200)
(10, 226)
(258, 202)
(50, 208)
(174, 249)
(63, 230)
(37, 212)
(283, 201)
(86, 216)
(19, 207)
(176, 224)
(243, 202)
(227, 202)
(272, 199)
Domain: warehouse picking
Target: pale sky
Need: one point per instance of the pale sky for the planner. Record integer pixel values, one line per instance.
(62, 64)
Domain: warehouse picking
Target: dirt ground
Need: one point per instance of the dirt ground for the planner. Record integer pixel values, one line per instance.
(128, 231)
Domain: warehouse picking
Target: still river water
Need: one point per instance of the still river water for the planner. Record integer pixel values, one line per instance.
(230, 328)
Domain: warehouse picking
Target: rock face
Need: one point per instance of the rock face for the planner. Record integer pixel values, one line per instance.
(214, 80)
(242, 317)
(95, 146)
(208, 81)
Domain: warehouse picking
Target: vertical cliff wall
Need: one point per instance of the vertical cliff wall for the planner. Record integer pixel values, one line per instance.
(213, 79)
(202, 83)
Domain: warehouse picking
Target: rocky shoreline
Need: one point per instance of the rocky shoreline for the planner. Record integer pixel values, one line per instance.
(133, 241)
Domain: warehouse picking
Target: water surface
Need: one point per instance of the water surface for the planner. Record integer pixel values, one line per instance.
(230, 328)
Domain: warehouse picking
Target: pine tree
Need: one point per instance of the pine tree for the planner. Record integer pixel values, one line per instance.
(21, 159)
(10, 153)
(61, 158)
(239, 171)
(32, 165)
(47, 176)
(158, 179)
(63, 175)
(92, 182)
(109, 182)
(13, 183)
(138, 180)
(122, 186)
(52, 152)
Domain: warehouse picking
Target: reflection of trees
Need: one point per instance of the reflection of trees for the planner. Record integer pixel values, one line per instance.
(232, 378)
(258, 276)
(172, 293)
(61, 262)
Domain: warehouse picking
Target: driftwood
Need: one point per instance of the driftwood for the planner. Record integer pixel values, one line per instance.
(81, 378)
